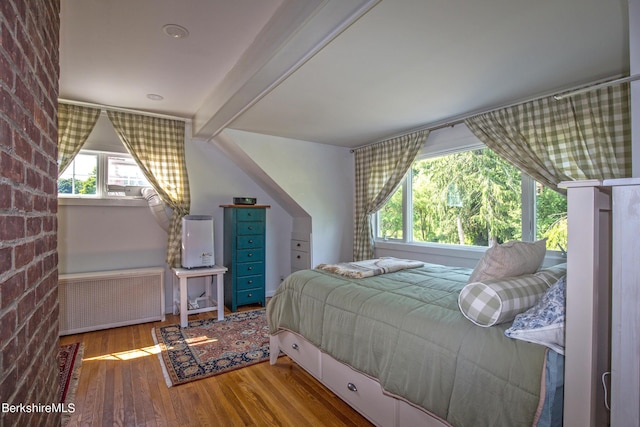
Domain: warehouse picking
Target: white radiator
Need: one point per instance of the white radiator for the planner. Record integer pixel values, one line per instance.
(107, 299)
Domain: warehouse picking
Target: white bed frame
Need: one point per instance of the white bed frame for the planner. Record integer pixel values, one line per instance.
(361, 392)
(602, 216)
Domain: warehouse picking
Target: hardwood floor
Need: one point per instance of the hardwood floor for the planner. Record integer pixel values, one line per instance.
(121, 384)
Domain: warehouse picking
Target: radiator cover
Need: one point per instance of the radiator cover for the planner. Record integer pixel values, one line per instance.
(108, 299)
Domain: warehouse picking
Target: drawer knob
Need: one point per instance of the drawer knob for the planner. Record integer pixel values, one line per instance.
(250, 241)
(298, 256)
(294, 346)
(352, 387)
(298, 245)
(250, 227)
(249, 282)
(250, 255)
(250, 295)
(250, 268)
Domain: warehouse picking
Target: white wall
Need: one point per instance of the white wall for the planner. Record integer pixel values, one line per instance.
(320, 178)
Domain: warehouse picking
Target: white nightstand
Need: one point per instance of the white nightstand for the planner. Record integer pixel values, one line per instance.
(204, 303)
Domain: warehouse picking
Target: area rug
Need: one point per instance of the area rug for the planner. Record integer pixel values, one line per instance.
(69, 361)
(210, 347)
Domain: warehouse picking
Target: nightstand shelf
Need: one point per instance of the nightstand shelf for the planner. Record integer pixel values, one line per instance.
(206, 302)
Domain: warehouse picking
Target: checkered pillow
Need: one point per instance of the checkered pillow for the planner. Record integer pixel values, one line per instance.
(497, 301)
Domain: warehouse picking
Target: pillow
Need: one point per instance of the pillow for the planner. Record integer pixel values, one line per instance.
(509, 259)
(497, 301)
(553, 274)
(544, 322)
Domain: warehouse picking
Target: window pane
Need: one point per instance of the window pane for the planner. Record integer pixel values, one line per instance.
(469, 198)
(390, 217)
(80, 177)
(551, 217)
(121, 172)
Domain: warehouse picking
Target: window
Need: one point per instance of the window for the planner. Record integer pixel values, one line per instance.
(472, 197)
(100, 174)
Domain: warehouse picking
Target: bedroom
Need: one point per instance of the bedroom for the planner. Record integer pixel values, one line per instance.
(215, 180)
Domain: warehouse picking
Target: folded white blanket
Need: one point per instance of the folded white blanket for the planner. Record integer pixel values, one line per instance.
(370, 267)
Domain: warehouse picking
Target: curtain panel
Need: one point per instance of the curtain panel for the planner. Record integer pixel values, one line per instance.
(157, 145)
(379, 169)
(75, 123)
(585, 136)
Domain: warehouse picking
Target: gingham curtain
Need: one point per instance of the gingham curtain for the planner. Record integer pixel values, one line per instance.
(157, 145)
(585, 136)
(379, 170)
(75, 123)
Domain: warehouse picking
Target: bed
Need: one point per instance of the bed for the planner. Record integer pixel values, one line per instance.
(398, 349)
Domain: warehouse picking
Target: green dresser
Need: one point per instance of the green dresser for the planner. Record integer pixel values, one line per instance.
(244, 255)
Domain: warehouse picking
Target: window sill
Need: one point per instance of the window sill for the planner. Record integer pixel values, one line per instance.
(119, 202)
(456, 255)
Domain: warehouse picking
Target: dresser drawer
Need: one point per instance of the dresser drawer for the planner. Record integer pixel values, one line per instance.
(360, 391)
(249, 227)
(250, 282)
(248, 242)
(300, 260)
(249, 268)
(300, 245)
(247, 255)
(248, 214)
(250, 296)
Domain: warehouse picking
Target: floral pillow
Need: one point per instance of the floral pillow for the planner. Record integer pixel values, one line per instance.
(544, 322)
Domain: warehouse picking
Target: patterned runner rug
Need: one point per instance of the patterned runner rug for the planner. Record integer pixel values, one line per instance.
(211, 347)
(69, 361)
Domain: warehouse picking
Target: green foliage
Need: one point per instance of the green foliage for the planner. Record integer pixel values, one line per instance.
(471, 198)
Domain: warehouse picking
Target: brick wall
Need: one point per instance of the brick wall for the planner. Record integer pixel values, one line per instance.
(29, 36)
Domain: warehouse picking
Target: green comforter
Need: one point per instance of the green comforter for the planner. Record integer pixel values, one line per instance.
(406, 330)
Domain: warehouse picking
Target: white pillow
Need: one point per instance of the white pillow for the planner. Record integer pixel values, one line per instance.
(544, 322)
(509, 259)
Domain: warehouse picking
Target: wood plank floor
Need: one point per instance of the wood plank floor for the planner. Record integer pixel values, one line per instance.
(121, 384)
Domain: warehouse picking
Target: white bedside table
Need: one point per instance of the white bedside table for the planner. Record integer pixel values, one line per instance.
(206, 302)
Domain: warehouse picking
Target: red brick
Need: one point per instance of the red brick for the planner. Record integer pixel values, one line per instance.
(11, 289)
(6, 255)
(11, 227)
(11, 168)
(22, 201)
(34, 226)
(5, 196)
(7, 324)
(24, 254)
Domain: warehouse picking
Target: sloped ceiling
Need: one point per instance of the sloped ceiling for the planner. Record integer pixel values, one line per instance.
(342, 72)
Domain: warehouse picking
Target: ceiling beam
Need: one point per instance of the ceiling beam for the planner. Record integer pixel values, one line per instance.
(296, 32)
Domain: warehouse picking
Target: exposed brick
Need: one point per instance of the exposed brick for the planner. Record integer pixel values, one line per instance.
(29, 74)
(5, 196)
(11, 227)
(34, 226)
(11, 168)
(22, 201)
(11, 289)
(7, 325)
(24, 254)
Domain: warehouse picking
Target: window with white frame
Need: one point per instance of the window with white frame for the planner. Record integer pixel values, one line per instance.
(101, 174)
(472, 197)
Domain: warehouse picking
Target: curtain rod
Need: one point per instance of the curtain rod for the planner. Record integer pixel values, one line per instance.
(123, 110)
(556, 95)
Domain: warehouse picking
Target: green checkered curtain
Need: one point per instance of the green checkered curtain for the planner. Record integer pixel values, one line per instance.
(379, 170)
(75, 123)
(157, 145)
(585, 136)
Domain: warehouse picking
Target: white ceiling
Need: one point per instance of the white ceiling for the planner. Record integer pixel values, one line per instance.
(316, 70)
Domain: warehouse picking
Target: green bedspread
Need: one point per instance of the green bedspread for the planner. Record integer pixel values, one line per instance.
(406, 330)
